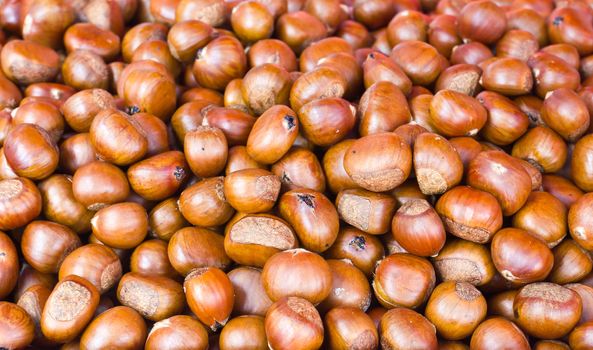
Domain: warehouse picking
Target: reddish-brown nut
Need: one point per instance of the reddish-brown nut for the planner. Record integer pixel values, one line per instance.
(195, 247)
(471, 53)
(84, 69)
(96, 263)
(235, 124)
(210, 296)
(402, 328)
(442, 33)
(506, 122)
(544, 216)
(564, 112)
(300, 168)
(322, 82)
(104, 330)
(252, 190)
(561, 188)
(571, 263)
(382, 108)
(417, 227)
(20, 202)
(46, 244)
(25, 62)
(272, 135)
(551, 73)
(437, 165)
(368, 211)
(153, 297)
(521, 257)
(299, 273)
(81, 108)
(378, 162)
(206, 150)
(299, 29)
(542, 147)
(220, 61)
(150, 258)
(43, 114)
(582, 163)
(462, 78)
(160, 176)
(392, 277)
(177, 331)
(579, 221)
(211, 12)
(204, 203)
(420, 61)
(456, 309)
(30, 151)
(69, 309)
(264, 86)
(165, 219)
(516, 43)
(87, 36)
(17, 328)
(250, 295)
(348, 328)
(379, 67)
(99, 184)
(455, 114)
(502, 176)
(464, 261)
(547, 310)
(313, 217)
(293, 323)
(9, 266)
(568, 25)
(499, 333)
(481, 21)
(251, 21)
(326, 121)
(139, 34)
(121, 225)
(272, 51)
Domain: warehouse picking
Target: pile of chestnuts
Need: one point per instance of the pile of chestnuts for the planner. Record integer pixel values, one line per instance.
(296, 174)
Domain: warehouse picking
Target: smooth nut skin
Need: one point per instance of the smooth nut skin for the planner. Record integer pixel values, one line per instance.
(252, 190)
(20, 202)
(96, 263)
(103, 331)
(540, 305)
(348, 327)
(420, 61)
(204, 203)
(153, 297)
(160, 176)
(46, 244)
(176, 332)
(578, 221)
(272, 135)
(99, 184)
(17, 329)
(401, 328)
(69, 309)
(9, 265)
(454, 114)
(122, 225)
(194, 247)
(31, 152)
(378, 162)
(219, 62)
(25, 62)
(293, 323)
(498, 332)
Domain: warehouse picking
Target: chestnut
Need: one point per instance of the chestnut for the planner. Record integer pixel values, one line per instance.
(210, 296)
(219, 62)
(87, 36)
(464, 261)
(407, 26)
(402, 328)
(122, 148)
(165, 219)
(454, 114)
(139, 34)
(235, 124)
(562, 188)
(300, 168)
(9, 266)
(272, 51)
(187, 37)
(151, 258)
(326, 121)
(204, 203)
(160, 176)
(521, 257)
(250, 296)
(378, 162)
(420, 61)
(264, 86)
(251, 21)
(122, 225)
(350, 287)
(313, 217)
(20, 202)
(322, 82)
(580, 337)
(99, 184)
(586, 294)
(418, 228)
(507, 75)
(299, 29)
(68, 309)
(564, 112)
(571, 263)
(498, 333)
(333, 166)
(194, 247)
(368, 211)
(283, 270)
(272, 135)
(392, 276)
(153, 297)
(251, 190)
(382, 108)
(26, 62)
(506, 122)
(473, 52)
(348, 327)
(103, 331)
(211, 12)
(362, 249)
(437, 165)
(502, 176)
(378, 67)
(547, 310)
(96, 263)
(544, 216)
(293, 323)
(542, 147)
(239, 159)
(31, 152)
(17, 329)
(578, 221)
(84, 69)
(551, 73)
(177, 331)
(46, 244)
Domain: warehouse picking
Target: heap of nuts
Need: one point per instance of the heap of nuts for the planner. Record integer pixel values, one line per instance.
(296, 174)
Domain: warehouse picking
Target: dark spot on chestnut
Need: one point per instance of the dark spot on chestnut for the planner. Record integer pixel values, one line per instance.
(358, 242)
(307, 199)
(132, 109)
(289, 121)
(179, 173)
(558, 20)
